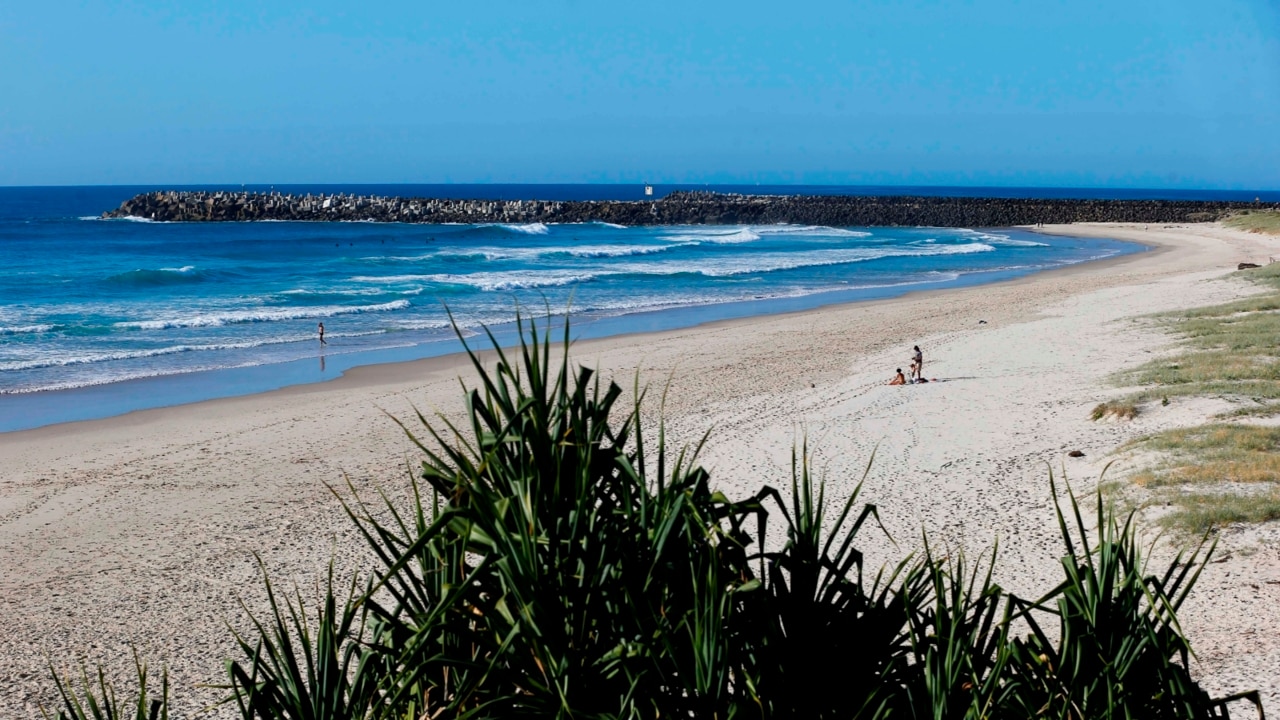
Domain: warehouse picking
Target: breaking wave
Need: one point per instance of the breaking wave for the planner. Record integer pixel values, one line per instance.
(25, 329)
(156, 278)
(261, 315)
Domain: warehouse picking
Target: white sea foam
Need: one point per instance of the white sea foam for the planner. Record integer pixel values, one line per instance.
(107, 379)
(743, 234)
(608, 224)
(516, 279)
(356, 292)
(422, 325)
(641, 304)
(50, 360)
(720, 267)
(772, 262)
(25, 329)
(527, 228)
(608, 251)
(90, 358)
(719, 237)
(392, 279)
(1000, 238)
(185, 269)
(1019, 243)
(136, 218)
(260, 315)
(476, 254)
(450, 255)
(814, 230)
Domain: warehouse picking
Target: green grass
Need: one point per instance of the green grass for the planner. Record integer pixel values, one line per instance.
(1229, 351)
(1201, 512)
(1210, 454)
(1209, 475)
(558, 562)
(1259, 221)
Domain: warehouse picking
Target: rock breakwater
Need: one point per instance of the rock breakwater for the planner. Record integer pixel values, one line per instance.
(678, 208)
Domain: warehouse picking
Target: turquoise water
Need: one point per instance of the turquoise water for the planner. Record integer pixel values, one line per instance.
(87, 303)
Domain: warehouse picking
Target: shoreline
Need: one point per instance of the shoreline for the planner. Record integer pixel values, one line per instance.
(115, 399)
(163, 510)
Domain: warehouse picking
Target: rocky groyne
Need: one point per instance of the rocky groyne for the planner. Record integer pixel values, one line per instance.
(678, 208)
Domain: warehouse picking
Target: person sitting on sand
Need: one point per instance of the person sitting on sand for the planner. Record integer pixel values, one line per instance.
(898, 379)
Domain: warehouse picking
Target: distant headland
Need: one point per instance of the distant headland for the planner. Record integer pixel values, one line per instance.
(678, 208)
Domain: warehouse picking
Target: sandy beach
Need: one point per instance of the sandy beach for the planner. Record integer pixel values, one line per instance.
(142, 530)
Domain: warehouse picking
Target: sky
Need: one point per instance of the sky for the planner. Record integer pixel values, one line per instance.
(1071, 93)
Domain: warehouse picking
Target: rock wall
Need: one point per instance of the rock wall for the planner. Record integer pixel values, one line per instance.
(678, 208)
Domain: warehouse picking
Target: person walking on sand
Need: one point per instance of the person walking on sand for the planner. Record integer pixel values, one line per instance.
(320, 327)
(917, 364)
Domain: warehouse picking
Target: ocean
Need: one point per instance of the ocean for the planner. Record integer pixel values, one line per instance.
(99, 317)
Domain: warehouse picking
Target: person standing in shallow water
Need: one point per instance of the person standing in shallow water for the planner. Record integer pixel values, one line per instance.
(320, 328)
(917, 364)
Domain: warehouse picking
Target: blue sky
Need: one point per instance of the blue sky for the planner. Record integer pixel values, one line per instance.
(1087, 93)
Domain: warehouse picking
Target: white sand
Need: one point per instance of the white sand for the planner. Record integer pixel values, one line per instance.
(141, 530)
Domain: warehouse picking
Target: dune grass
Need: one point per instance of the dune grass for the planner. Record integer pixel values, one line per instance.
(1199, 512)
(1220, 452)
(1211, 475)
(1226, 471)
(1259, 221)
(1230, 351)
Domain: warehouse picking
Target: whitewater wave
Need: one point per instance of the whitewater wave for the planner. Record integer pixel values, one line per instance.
(260, 315)
(1018, 243)
(516, 279)
(487, 254)
(88, 359)
(773, 262)
(815, 230)
(25, 329)
(608, 251)
(137, 219)
(527, 228)
(644, 304)
(391, 279)
(751, 233)
(732, 237)
(1000, 238)
(353, 292)
(424, 325)
(758, 263)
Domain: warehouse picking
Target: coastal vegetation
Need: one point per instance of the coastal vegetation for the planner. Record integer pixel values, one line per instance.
(1214, 474)
(558, 560)
(1226, 471)
(1259, 221)
(1119, 410)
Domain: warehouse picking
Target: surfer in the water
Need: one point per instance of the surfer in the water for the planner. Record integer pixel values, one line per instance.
(320, 327)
